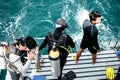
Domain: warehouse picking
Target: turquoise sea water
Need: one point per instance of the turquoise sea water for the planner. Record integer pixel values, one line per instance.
(19, 18)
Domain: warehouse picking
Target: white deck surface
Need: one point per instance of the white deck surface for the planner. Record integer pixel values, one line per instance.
(84, 69)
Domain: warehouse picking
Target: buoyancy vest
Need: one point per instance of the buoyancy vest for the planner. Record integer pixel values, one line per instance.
(61, 41)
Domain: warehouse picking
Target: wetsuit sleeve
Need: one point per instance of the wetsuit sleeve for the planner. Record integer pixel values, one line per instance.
(44, 43)
(95, 44)
(94, 37)
(70, 41)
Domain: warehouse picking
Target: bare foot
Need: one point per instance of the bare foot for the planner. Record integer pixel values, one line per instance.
(93, 62)
(76, 59)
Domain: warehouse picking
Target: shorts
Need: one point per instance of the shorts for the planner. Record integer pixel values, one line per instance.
(84, 45)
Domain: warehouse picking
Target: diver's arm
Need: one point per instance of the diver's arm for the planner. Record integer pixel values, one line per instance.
(25, 67)
(70, 41)
(31, 56)
(96, 44)
(18, 63)
(44, 43)
(94, 37)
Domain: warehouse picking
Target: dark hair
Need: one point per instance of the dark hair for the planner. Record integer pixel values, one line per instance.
(93, 15)
(19, 41)
(30, 42)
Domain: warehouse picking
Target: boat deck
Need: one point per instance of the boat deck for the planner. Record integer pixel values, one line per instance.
(84, 69)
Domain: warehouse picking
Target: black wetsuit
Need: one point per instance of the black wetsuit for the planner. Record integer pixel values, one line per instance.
(90, 39)
(63, 52)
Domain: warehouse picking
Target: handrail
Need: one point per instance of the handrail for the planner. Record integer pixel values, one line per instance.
(115, 47)
(42, 38)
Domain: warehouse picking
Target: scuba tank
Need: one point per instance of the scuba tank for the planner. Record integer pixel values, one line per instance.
(37, 62)
(54, 54)
(42, 61)
(55, 61)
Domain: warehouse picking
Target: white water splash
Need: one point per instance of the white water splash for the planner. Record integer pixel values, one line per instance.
(81, 15)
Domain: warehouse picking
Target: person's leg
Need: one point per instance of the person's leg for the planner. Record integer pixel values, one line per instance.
(62, 64)
(94, 56)
(14, 75)
(78, 54)
(117, 77)
(59, 77)
(3, 74)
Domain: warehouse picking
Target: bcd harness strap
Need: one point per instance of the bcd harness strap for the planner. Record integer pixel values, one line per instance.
(61, 42)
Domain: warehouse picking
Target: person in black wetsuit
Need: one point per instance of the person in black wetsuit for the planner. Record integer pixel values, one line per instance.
(60, 26)
(90, 39)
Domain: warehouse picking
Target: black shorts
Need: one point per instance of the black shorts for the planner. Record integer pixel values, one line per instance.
(84, 45)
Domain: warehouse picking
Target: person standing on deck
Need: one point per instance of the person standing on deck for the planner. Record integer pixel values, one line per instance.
(90, 39)
(21, 52)
(65, 39)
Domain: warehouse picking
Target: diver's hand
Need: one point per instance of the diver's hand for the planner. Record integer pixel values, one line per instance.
(76, 58)
(31, 55)
(37, 48)
(98, 50)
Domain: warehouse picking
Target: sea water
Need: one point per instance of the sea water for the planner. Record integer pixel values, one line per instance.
(19, 18)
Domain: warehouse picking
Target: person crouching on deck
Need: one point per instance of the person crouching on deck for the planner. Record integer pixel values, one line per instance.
(17, 53)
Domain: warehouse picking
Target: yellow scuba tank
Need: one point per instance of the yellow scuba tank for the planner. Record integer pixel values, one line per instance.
(54, 54)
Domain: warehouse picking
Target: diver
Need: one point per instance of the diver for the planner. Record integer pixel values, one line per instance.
(90, 39)
(64, 40)
(21, 53)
